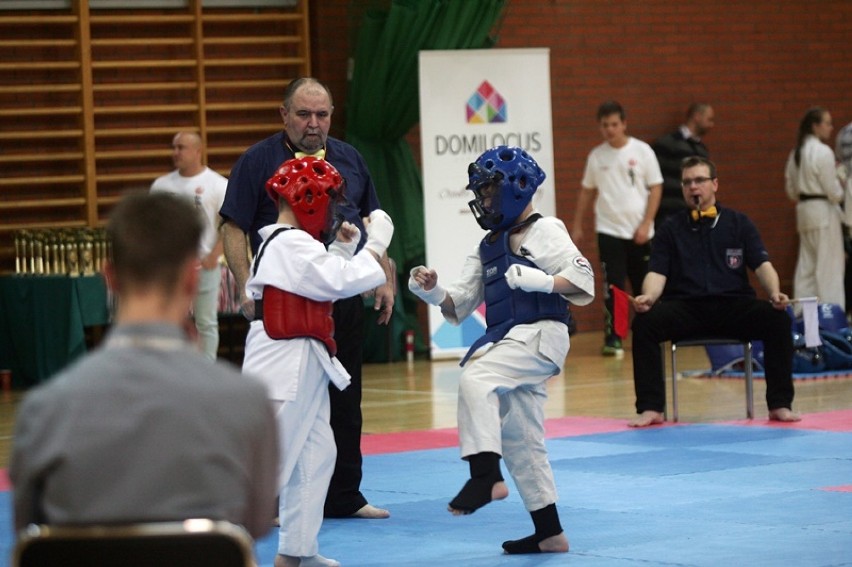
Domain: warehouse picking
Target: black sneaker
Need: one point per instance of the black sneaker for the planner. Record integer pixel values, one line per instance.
(612, 347)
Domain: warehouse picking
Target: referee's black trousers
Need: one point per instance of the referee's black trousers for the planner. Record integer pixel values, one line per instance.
(739, 318)
(344, 496)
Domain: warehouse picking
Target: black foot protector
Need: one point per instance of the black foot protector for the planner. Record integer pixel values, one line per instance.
(547, 525)
(476, 493)
(528, 544)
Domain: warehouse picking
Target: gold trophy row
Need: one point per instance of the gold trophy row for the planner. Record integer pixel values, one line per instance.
(70, 251)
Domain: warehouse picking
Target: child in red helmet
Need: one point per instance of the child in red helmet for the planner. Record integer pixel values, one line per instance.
(290, 345)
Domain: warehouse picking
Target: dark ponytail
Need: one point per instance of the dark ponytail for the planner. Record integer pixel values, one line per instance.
(813, 116)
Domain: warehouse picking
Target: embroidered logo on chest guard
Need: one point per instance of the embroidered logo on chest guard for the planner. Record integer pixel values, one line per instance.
(734, 257)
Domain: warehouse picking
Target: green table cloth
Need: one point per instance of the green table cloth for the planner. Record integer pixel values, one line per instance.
(43, 320)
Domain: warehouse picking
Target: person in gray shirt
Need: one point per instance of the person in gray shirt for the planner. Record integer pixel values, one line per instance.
(145, 428)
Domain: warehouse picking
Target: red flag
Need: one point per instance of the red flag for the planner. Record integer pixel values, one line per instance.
(620, 311)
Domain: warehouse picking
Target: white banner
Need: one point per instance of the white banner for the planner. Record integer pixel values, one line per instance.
(470, 101)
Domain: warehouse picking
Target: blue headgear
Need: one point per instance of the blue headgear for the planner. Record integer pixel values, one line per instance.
(509, 176)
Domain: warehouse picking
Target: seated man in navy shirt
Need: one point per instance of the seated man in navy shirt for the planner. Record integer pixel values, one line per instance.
(697, 285)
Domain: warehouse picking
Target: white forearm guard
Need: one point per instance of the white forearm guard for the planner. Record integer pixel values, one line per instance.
(434, 296)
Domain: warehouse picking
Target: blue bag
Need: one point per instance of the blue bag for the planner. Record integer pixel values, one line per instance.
(835, 352)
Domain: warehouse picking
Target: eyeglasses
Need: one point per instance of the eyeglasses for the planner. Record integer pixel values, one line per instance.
(696, 181)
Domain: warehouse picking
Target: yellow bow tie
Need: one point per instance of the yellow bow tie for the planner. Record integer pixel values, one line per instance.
(710, 213)
(319, 154)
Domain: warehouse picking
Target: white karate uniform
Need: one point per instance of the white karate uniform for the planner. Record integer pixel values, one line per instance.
(297, 372)
(502, 393)
(821, 262)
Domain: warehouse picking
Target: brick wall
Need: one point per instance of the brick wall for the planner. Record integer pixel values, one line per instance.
(761, 64)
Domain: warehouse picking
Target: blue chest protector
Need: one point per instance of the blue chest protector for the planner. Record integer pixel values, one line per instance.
(506, 307)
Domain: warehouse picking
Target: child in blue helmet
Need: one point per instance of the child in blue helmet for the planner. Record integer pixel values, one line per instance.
(526, 270)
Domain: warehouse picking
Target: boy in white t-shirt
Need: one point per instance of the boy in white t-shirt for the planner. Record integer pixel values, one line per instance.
(623, 179)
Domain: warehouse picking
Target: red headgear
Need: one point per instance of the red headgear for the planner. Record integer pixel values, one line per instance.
(312, 187)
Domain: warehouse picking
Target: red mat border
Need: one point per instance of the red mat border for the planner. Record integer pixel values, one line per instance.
(381, 443)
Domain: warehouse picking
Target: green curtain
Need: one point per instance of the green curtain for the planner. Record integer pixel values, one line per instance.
(383, 106)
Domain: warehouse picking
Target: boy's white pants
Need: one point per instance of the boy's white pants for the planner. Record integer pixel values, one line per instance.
(501, 410)
(308, 454)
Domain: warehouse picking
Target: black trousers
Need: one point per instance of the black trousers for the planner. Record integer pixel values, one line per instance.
(621, 260)
(739, 318)
(344, 496)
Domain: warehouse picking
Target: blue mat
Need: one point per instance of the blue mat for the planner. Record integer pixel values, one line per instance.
(691, 495)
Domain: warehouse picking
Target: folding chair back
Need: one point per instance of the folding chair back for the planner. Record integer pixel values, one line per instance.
(189, 543)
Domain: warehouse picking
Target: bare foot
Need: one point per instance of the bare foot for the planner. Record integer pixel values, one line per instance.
(646, 418)
(370, 512)
(784, 414)
(554, 544)
(498, 492)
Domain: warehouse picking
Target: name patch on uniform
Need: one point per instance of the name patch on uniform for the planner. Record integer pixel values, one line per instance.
(734, 257)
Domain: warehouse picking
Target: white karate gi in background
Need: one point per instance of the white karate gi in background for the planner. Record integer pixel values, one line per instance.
(821, 262)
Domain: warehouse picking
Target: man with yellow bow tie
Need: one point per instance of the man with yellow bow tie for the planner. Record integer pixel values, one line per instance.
(697, 286)
(306, 112)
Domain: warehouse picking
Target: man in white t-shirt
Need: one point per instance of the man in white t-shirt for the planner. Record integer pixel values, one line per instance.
(623, 179)
(206, 188)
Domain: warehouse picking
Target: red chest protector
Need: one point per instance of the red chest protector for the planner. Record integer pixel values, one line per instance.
(286, 315)
(289, 316)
